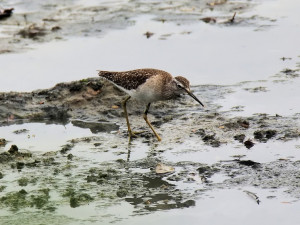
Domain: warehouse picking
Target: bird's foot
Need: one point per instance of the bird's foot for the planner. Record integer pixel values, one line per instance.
(133, 134)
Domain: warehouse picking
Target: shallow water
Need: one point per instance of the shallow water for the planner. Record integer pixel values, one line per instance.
(262, 153)
(205, 54)
(231, 206)
(41, 137)
(273, 97)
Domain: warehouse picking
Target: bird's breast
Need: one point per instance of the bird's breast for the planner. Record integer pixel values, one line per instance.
(148, 92)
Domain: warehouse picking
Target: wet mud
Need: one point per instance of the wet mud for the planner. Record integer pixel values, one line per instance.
(96, 104)
(47, 181)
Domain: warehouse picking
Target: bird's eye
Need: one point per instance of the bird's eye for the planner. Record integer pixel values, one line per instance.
(179, 86)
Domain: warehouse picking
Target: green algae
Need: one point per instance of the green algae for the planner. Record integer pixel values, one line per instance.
(77, 198)
(23, 181)
(18, 200)
(15, 200)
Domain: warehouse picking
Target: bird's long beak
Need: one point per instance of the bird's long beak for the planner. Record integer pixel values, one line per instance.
(193, 96)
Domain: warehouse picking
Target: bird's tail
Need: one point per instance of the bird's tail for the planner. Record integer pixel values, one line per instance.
(106, 74)
(102, 73)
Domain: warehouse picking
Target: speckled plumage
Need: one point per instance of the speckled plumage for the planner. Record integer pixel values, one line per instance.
(147, 86)
(131, 79)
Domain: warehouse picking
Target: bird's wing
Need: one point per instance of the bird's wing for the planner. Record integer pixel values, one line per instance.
(129, 79)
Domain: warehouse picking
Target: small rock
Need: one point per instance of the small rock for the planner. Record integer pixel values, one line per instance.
(122, 193)
(258, 134)
(20, 165)
(1, 175)
(264, 135)
(13, 149)
(270, 133)
(249, 144)
(2, 142)
(249, 163)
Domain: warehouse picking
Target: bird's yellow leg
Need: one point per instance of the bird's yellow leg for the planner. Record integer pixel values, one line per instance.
(130, 132)
(149, 124)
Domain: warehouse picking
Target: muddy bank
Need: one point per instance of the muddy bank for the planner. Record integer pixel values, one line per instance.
(82, 99)
(96, 104)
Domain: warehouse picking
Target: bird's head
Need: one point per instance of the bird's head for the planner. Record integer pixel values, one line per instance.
(183, 87)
